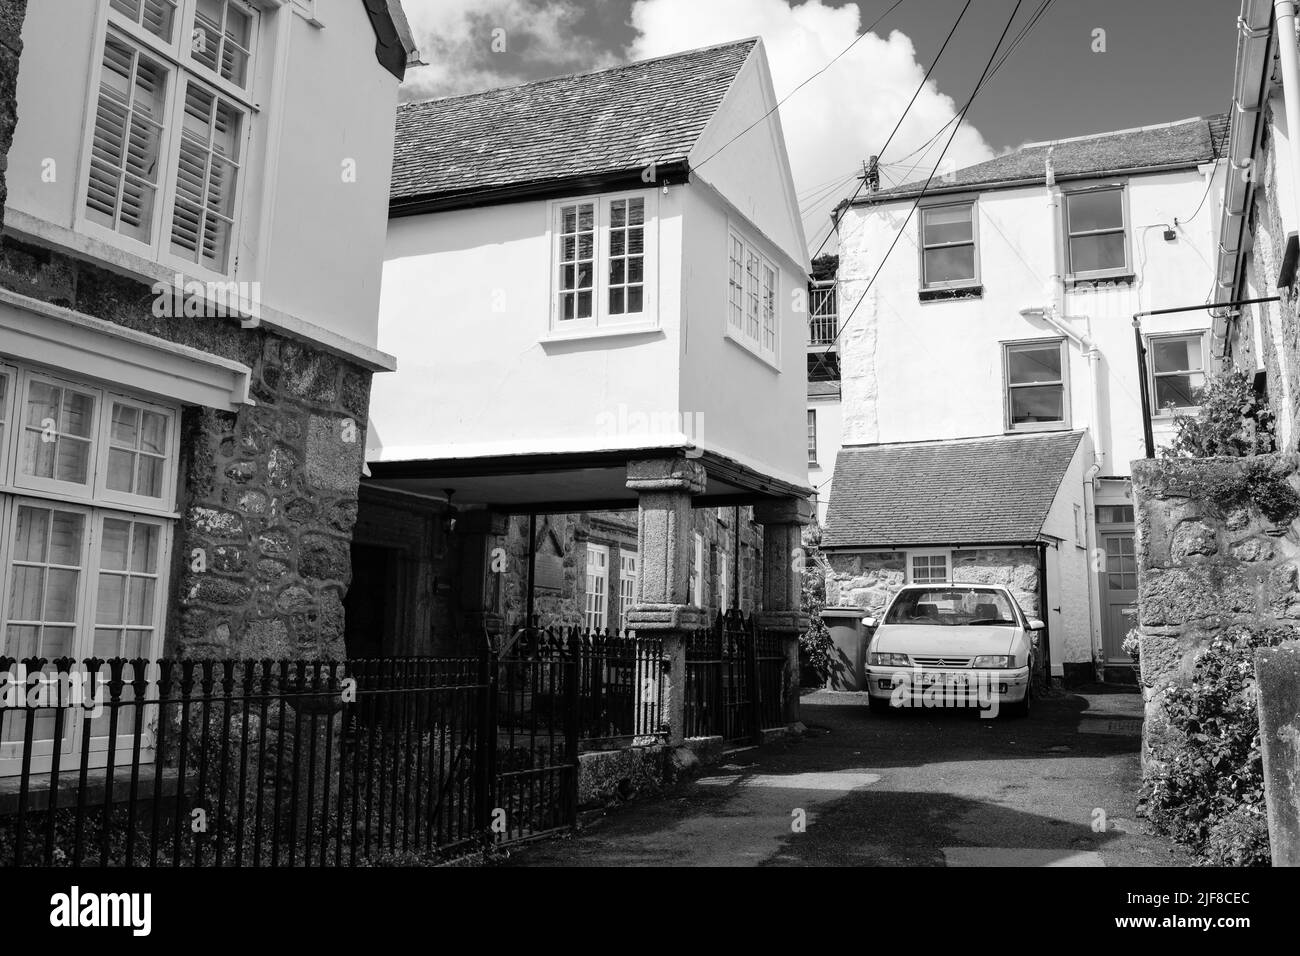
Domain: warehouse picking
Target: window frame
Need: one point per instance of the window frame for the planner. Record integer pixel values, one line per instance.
(1151, 339)
(697, 571)
(588, 614)
(1007, 348)
(922, 247)
(627, 597)
(54, 486)
(812, 437)
(755, 292)
(181, 67)
(1072, 274)
(914, 553)
(602, 322)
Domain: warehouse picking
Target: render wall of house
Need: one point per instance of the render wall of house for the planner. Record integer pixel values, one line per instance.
(268, 494)
(1218, 548)
(903, 359)
(314, 181)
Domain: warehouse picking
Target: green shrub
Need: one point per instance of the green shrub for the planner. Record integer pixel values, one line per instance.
(817, 656)
(1206, 789)
(1232, 421)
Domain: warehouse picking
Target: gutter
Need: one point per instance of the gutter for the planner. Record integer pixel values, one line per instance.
(675, 172)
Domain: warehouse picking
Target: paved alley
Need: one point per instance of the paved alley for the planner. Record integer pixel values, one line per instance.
(923, 788)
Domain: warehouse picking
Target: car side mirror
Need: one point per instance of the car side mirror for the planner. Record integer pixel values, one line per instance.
(1036, 625)
(869, 622)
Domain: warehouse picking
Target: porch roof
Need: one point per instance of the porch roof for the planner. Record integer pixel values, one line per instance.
(569, 481)
(969, 491)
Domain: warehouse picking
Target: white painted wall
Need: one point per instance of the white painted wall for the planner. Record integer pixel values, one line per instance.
(312, 239)
(829, 426)
(1071, 628)
(914, 370)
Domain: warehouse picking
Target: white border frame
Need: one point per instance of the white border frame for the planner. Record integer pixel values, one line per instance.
(1058, 426)
(1149, 340)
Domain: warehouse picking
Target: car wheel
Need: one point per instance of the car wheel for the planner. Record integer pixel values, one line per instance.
(878, 706)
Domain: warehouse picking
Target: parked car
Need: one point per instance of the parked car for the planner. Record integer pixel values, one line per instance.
(952, 645)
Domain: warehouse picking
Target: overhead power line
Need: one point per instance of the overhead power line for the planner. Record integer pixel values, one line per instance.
(960, 116)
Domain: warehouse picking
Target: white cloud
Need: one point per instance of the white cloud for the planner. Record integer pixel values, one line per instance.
(458, 39)
(843, 116)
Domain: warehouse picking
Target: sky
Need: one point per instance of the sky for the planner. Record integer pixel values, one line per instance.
(1087, 66)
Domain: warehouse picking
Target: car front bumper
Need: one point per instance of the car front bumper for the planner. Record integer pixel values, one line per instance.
(910, 687)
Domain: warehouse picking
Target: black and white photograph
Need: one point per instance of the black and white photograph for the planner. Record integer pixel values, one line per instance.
(442, 440)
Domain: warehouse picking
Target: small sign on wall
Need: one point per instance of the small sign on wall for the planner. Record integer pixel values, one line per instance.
(548, 572)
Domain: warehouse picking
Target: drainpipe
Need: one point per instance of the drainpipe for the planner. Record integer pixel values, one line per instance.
(1285, 13)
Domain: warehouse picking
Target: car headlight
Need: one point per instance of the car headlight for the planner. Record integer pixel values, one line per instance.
(994, 660)
(890, 660)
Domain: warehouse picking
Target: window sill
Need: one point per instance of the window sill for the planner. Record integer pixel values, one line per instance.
(1037, 428)
(742, 343)
(956, 292)
(600, 332)
(1100, 278)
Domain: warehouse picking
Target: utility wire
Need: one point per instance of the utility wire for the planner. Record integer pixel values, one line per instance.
(919, 196)
(920, 86)
(1020, 37)
(782, 101)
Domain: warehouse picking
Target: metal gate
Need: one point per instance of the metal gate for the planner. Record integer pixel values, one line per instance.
(735, 680)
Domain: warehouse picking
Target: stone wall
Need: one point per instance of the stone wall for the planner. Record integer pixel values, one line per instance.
(1218, 546)
(864, 580)
(1014, 568)
(869, 580)
(11, 46)
(268, 494)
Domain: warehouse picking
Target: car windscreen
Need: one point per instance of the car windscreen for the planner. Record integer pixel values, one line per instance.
(953, 606)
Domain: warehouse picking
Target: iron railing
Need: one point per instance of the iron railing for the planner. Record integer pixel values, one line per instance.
(619, 699)
(288, 763)
(735, 680)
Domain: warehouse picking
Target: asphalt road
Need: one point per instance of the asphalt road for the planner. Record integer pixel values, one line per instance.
(921, 788)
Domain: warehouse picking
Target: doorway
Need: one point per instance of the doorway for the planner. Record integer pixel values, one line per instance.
(373, 602)
(1118, 575)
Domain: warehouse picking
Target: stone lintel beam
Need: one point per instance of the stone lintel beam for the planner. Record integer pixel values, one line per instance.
(650, 618)
(673, 473)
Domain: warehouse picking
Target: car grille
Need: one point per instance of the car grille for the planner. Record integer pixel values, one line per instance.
(942, 661)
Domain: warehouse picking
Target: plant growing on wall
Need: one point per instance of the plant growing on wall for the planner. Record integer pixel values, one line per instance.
(1233, 421)
(1207, 788)
(816, 649)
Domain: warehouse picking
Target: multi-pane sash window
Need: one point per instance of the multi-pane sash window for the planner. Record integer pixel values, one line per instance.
(627, 572)
(736, 285)
(577, 260)
(1035, 383)
(1177, 371)
(1095, 236)
(751, 298)
(170, 126)
(602, 262)
(697, 572)
(949, 256)
(929, 568)
(597, 587)
(87, 497)
(626, 256)
(812, 436)
(724, 582)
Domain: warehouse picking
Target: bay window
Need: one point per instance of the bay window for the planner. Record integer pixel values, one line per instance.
(603, 264)
(170, 126)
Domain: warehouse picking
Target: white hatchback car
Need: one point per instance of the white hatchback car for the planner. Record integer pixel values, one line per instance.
(952, 645)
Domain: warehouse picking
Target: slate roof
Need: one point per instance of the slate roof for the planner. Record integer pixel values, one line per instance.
(1183, 144)
(585, 125)
(968, 491)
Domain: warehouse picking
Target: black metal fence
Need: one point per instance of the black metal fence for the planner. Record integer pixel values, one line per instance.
(735, 680)
(290, 763)
(619, 698)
